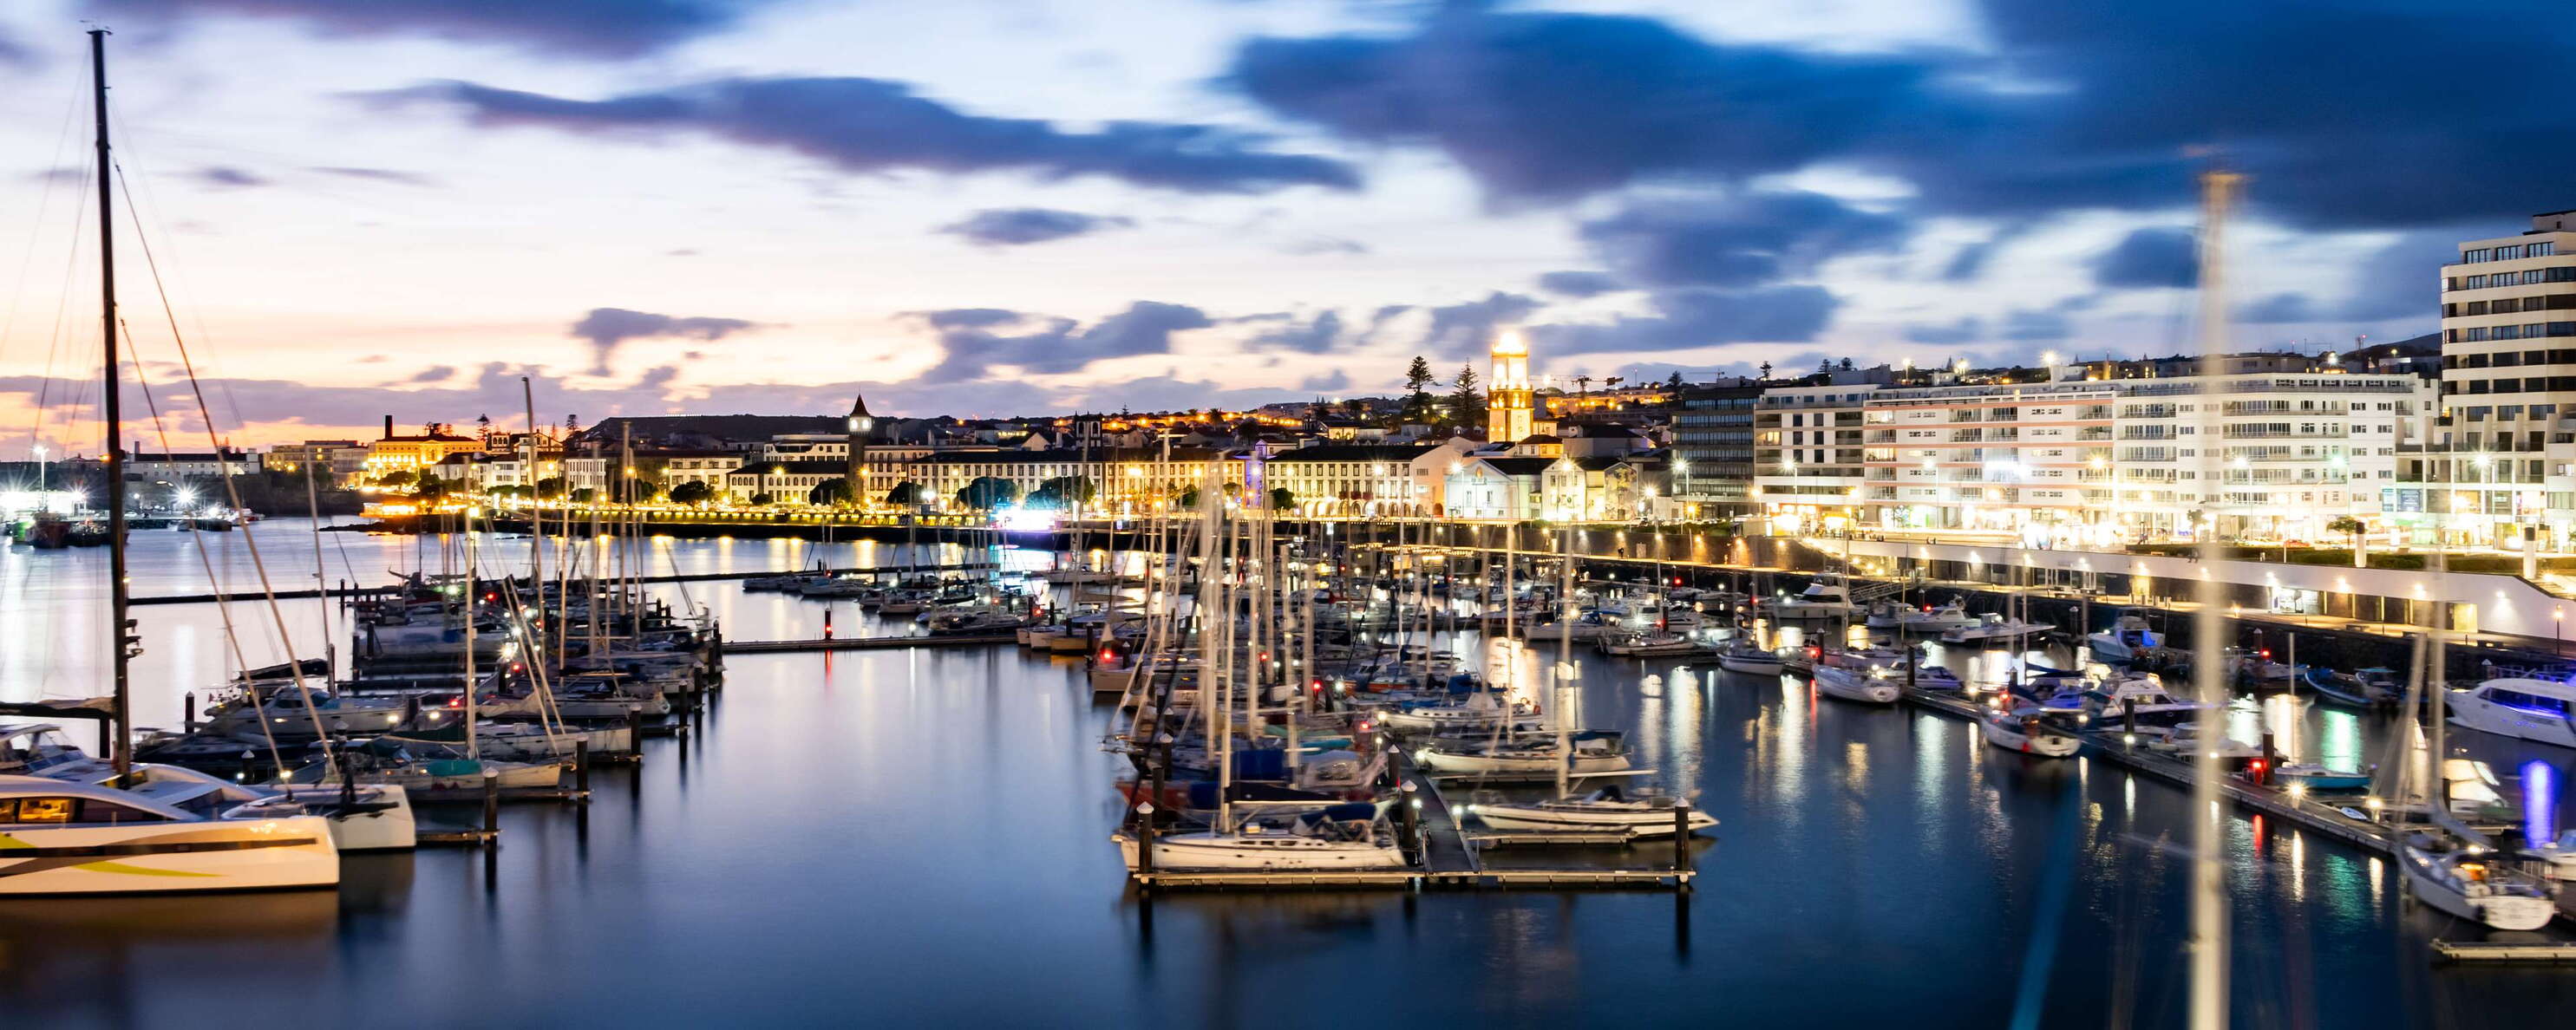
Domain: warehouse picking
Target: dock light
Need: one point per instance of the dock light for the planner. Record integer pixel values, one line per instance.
(2374, 803)
(2298, 792)
(2128, 738)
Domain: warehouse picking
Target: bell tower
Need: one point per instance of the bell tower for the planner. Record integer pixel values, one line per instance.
(854, 478)
(1507, 397)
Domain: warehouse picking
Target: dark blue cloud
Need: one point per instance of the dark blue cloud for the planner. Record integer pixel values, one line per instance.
(872, 125)
(1018, 226)
(606, 328)
(1687, 318)
(219, 175)
(1314, 336)
(1968, 329)
(2027, 326)
(2150, 259)
(1736, 241)
(1549, 106)
(1578, 284)
(2279, 307)
(974, 350)
(599, 28)
(1461, 330)
(2347, 113)
(1335, 381)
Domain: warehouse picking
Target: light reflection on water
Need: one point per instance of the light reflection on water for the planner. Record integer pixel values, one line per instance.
(923, 833)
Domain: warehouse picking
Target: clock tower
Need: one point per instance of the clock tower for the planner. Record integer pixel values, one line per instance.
(1507, 398)
(854, 479)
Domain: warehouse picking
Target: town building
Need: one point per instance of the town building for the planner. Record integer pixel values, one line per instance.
(1348, 480)
(1483, 486)
(413, 453)
(2501, 457)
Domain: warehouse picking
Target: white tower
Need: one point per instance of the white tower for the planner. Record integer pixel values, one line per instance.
(1507, 389)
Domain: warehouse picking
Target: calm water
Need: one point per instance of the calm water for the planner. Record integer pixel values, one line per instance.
(916, 838)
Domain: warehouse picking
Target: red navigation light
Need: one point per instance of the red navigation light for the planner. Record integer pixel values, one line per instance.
(2264, 654)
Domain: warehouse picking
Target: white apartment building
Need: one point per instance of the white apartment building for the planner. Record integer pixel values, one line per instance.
(1347, 480)
(2498, 458)
(2094, 461)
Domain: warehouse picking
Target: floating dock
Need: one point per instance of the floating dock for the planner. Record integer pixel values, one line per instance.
(865, 643)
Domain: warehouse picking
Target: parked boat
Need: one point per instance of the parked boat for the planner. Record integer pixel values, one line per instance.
(418, 767)
(2126, 638)
(1873, 686)
(2532, 709)
(2026, 730)
(2459, 879)
(1647, 644)
(2317, 777)
(1349, 836)
(1906, 618)
(1605, 809)
(80, 838)
(1591, 751)
(2367, 688)
(1821, 600)
(1994, 629)
(1744, 656)
(239, 712)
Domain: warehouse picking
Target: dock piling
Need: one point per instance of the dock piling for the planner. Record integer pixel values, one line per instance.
(492, 807)
(581, 766)
(1145, 836)
(1681, 835)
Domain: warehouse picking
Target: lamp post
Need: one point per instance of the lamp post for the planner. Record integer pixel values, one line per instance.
(40, 468)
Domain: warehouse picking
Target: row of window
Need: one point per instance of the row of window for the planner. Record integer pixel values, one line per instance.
(2533, 384)
(2509, 305)
(2508, 412)
(2508, 252)
(2561, 274)
(2509, 359)
(2527, 331)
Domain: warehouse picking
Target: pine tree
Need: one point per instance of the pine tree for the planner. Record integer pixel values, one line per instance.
(1417, 390)
(1466, 403)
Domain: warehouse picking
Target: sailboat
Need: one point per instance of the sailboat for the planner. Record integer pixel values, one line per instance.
(1743, 655)
(1644, 815)
(1347, 836)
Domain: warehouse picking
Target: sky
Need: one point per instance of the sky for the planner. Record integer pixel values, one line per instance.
(361, 208)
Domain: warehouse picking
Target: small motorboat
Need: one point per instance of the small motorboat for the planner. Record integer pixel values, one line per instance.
(1744, 656)
(2125, 640)
(1994, 629)
(1647, 644)
(2024, 730)
(1905, 618)
(1873, 686)
(2456, 878)
(2316, 777)
(2366, 688)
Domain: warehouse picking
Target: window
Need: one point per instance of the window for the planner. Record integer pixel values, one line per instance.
(35, 810)
(2561, 274)
(2542, 249)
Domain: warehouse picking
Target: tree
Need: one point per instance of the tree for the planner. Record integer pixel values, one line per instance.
(1466, 404)
(834, 492)
(551, 487)
(1189, 498)
(1847, 364)
(1582, 386)
(1061, 492)
(1282, 498)
(1766, 371)
(635, 489)
(398, 477)
(585, 495)
(692, 492)
(1674, 382)
(2354, 528)
(763, 500)
(905, 494)
(987, 493)
(1417, 390)
(430, 489)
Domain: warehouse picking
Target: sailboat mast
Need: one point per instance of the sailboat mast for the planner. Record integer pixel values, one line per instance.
(2208, 998)
(121, 646)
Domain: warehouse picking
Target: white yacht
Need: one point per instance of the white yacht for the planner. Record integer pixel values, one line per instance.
(371, 817)
(1744, 656)
(1992, 628)
(1821, 600)
(1478, 711)
(239, 711)
(2527, 708)
(2458, 880)
(1647, 644)
(1906, 618)
(80, 838)
(1604, 809)
(2125, 639)
(1872, 686)
(2023, 730)
(1594, 751)
(1341, 837)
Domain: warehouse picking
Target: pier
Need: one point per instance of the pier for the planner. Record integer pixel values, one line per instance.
(866, 643)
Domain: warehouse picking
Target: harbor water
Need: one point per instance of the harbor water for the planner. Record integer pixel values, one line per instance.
(902, 838)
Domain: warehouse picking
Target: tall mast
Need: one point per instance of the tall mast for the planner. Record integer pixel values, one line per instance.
(121, 747)
(2208, 998)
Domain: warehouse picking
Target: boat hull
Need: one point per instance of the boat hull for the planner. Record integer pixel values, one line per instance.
(169, 858)
(1638, 821)
(1209, 852)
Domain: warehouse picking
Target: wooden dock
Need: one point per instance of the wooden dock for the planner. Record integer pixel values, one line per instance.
(362, 592)
(2484, 951)
(865, 643)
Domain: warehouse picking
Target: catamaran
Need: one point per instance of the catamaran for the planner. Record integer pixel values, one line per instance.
(81, 838)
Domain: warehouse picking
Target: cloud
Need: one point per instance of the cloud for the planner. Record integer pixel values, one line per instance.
(2150, 259)
(219, 175)
(1736, 241)
(606, 328)
(1335, 381)
(2030, 326)
(1019, 226)
(1313, 336)
(1319, 246)
(1553, 106)
(1699, 317)
(1578, 284)
(595, 28)
(380, 175)
(1462, 330)
(2062, 106)
(2401, 278)
(875, 126)
(1966, 330)
(433, 374)
(974, 350)
(15, 53)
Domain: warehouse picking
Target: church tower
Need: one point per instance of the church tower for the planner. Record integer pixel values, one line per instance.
(854, 479)
(1507, 389)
